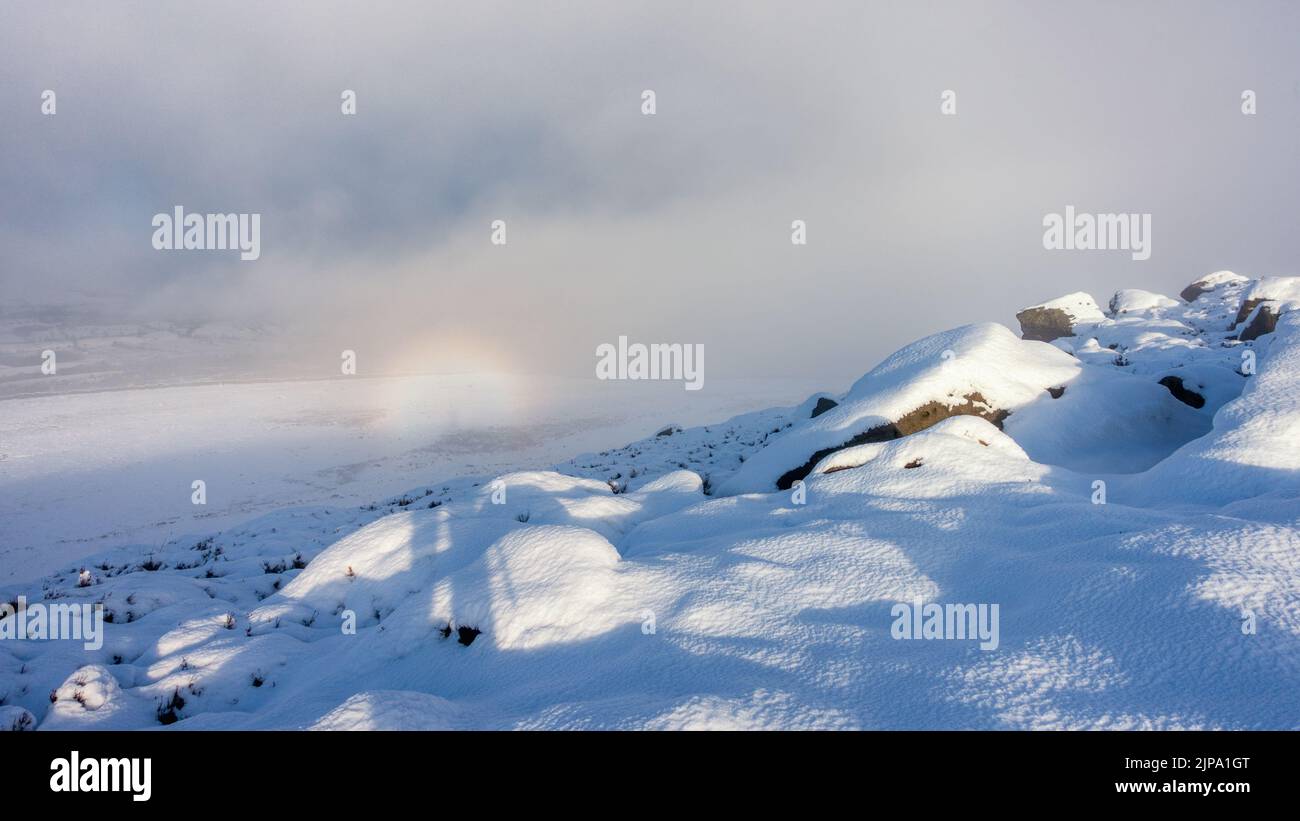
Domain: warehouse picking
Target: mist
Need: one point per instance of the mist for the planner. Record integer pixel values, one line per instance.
(375, 228)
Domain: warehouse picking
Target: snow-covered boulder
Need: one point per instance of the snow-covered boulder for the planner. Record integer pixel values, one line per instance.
(1263, 319)
(1134, 300)
(1211, 282)
(1061, 412)
(1058, 317)
(958, 449)
(980, 370)
(91, 698)
(1284, 290)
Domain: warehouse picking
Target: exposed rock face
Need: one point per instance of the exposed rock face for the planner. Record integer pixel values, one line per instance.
(931, 413)
(1248, 306)
(1266, 289)
(1208, 283)
(823, 405)
(1058, 318)
(1182, 393)
(982, 369)
(1262, 320)
(1044, 324)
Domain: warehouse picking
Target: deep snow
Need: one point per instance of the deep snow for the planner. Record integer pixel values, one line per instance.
(671, 584)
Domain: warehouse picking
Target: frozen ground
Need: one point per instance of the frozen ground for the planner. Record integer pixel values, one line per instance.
(1127, 493)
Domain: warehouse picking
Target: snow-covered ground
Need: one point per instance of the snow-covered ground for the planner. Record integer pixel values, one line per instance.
(1126, 494)
(98, 348)
(82, 472)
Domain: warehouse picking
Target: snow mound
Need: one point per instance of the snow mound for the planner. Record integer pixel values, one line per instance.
(373, 571)
(88, 698)
(1134, 300)
(534, 587)
(1106, 421)
(15, 719)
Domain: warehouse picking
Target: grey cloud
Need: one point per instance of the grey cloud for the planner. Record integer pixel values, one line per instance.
(671, 227)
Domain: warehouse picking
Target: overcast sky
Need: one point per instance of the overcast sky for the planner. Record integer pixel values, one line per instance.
(670, 228)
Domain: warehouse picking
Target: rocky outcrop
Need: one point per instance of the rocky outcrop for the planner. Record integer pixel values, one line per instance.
(1261, 320)
(823, 405)
(1266, 289)
(931, 413)
(1209, 282)
(1059, 317)
(981, 370)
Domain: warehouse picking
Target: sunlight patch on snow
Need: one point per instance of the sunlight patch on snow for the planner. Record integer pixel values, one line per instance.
(759, 710)
(391, 710)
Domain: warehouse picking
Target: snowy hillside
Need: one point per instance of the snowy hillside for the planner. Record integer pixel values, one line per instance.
(80, 473)
(100, 348)
(1124, 485)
